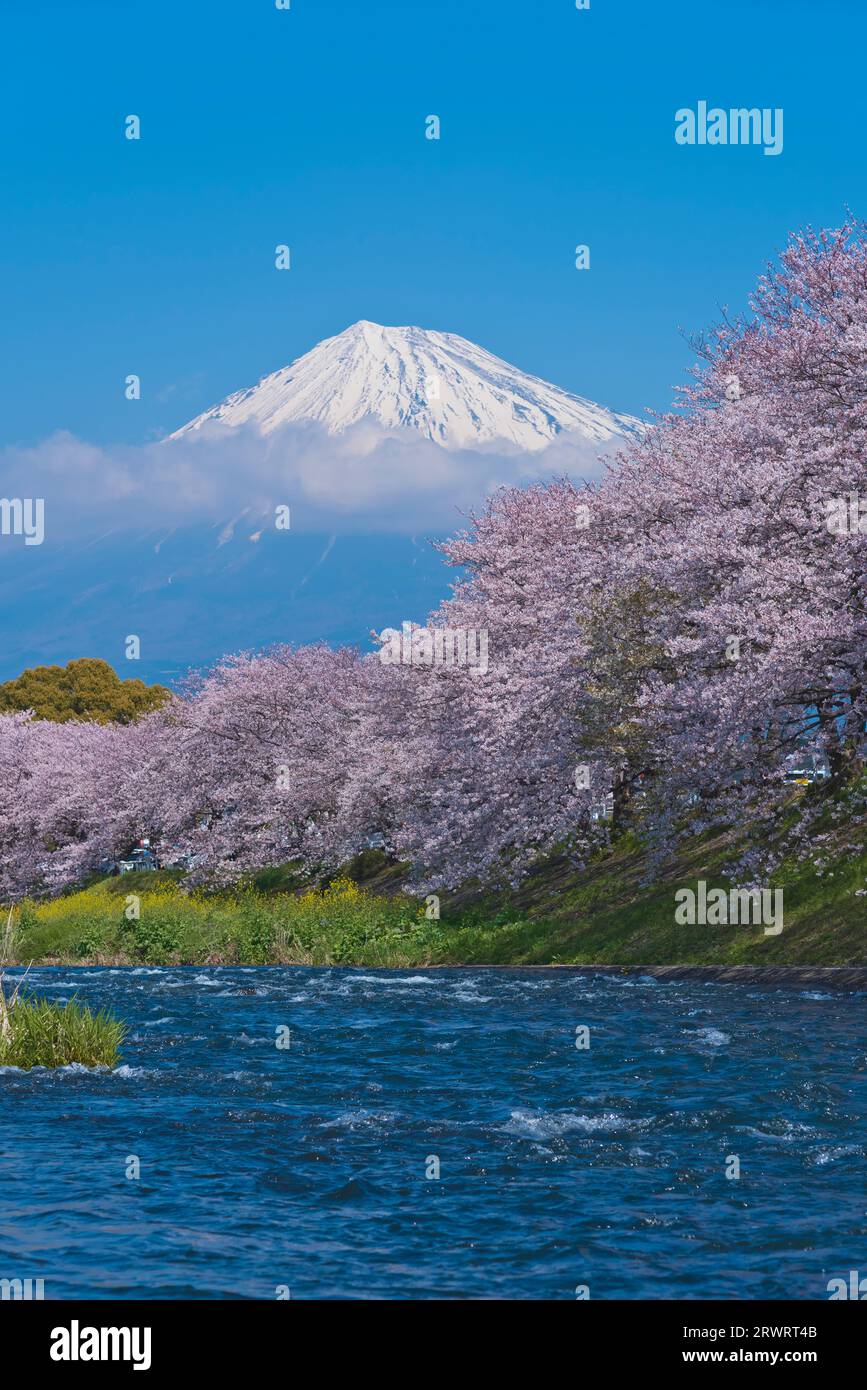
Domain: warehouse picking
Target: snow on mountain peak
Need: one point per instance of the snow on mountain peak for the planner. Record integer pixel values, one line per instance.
(448, 389)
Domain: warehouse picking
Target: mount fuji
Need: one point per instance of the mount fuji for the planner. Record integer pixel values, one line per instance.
(378, 437)
(449, 390)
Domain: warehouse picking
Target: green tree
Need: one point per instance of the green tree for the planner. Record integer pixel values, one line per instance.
(87, 689)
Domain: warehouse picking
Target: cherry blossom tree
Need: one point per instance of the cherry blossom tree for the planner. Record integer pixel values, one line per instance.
(761, 646)
(492, 765)
(263, 748)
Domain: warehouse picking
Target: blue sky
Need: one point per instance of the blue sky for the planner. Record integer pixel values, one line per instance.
(307, 127)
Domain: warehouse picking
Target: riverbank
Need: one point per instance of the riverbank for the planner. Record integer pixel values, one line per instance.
(606, 914)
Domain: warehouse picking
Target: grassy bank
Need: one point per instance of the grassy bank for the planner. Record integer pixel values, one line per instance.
(605, 914)
(337, 925)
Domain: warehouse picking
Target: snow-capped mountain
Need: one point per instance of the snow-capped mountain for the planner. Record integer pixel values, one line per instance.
(448, 389)
(190, 565)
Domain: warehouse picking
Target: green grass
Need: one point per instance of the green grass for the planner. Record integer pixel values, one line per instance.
(337, 924)
(38, 1033)
(605, 914)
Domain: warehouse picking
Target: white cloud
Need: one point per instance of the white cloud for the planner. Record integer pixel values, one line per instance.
(367, 479)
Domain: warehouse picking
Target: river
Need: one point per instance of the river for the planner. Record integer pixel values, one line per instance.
(309, 1169)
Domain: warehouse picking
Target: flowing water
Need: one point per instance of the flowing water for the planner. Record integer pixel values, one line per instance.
(307, 1167)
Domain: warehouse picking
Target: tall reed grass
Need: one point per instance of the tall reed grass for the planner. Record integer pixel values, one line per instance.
(40, 1033)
